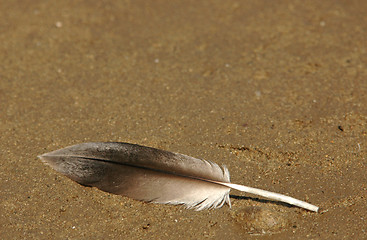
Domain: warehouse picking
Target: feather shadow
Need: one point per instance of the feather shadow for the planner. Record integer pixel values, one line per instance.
(260, 200)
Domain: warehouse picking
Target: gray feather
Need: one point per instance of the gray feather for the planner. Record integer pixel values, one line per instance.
(143, 173)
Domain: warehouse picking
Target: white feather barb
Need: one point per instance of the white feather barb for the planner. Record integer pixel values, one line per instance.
(152, 175)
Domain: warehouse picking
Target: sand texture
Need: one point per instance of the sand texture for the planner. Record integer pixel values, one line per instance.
(274, 90)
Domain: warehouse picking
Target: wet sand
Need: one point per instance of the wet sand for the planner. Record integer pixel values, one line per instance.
(274, 90)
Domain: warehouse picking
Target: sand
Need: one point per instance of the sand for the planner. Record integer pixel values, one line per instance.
(274, 90)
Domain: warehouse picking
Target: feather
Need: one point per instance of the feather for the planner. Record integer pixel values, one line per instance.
(152, 175)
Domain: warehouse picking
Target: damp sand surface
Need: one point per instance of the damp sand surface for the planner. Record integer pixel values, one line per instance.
(274, 90)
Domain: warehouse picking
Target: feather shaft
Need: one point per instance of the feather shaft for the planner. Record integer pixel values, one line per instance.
(273, 196)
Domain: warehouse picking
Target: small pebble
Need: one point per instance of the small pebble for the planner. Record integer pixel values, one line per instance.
(58, 24)
(258, 220)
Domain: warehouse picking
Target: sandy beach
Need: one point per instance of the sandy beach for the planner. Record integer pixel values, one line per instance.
(274, 90)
